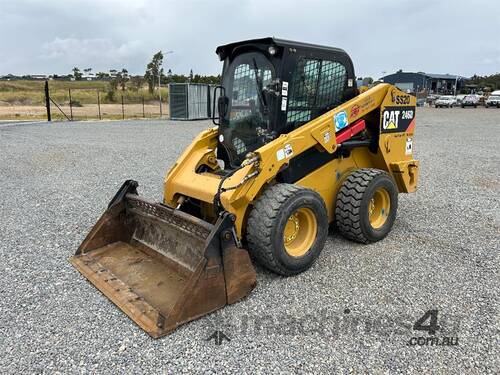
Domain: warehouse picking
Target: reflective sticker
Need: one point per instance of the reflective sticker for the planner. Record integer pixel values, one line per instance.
(288, 150)
(221, 138)
(326, 137)
(340, 120)
(284, 88)
(283, 103)
(409, 146)
(350, 82)
(280, 154)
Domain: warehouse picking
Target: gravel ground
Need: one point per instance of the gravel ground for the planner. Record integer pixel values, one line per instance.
(352, 312)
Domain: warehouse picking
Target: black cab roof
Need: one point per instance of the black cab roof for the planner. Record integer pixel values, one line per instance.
(225, 50)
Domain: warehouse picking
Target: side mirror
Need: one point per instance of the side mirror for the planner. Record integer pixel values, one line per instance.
(222, 104)
(220, 107)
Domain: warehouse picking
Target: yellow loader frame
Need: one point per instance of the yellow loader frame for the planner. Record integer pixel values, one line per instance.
(262, 166)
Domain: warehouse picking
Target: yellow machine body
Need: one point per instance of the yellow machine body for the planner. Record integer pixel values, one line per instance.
(393, 156)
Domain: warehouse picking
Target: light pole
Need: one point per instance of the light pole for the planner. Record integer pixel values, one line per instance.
(159, 82)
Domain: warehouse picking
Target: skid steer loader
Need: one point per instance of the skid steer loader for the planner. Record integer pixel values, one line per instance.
(296, 148)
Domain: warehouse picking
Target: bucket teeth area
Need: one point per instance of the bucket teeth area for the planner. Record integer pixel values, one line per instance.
(134, 305)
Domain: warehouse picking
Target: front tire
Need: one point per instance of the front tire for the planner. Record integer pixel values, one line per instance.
(287, 228)
(366, 206)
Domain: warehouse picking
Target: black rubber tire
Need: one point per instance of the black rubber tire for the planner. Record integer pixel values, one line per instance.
(351, 211)
(267, 221)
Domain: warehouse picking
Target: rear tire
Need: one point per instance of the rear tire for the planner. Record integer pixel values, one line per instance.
(287, 228)
(366, 205)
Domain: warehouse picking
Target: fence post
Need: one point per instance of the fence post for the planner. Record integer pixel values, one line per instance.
(123, 110)
(99, 105)
(70, 105)
(161, 114)
(47, 101)
(143, 112)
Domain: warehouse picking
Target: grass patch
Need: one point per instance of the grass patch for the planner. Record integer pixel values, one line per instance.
(25, 92)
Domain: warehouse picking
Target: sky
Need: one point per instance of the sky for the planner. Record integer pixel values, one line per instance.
(381, 36)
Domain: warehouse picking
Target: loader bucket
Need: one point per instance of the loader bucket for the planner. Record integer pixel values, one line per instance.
(161, 266)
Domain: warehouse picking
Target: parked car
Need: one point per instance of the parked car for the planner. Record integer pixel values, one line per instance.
(492, 101)
(421, 102)
(445, 101)
(460, 98)
(431, 98)
(470, 101)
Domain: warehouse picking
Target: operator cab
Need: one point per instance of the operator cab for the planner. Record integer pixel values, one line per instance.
(272, 86)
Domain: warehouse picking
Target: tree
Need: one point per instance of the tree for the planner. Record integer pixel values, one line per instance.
(136, 83)
(492, 81)
(102, 75)
(87, 70)
(77, 74)
(191, 76)
(110, 94)
(122, 78)
(213, 80)
(154, 70)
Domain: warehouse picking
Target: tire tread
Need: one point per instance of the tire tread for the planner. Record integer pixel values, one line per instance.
(349, 197)
(260, 224)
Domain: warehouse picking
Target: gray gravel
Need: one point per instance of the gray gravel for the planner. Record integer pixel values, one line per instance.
(352, 312)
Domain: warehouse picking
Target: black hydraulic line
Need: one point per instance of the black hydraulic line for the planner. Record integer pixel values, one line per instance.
(353, 144)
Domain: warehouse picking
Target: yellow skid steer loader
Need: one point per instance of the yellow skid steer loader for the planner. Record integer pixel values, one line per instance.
(296, 148)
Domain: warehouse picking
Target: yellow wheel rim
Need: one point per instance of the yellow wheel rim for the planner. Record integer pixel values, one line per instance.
(300, 232)
(379, 207)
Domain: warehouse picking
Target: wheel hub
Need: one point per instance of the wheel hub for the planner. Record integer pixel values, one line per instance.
(379, 207)
(292, 228)
(300, 232)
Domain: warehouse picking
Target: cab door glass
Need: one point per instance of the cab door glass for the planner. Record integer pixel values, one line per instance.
(316, 87)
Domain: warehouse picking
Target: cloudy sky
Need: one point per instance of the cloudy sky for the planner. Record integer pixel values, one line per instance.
(435, 36)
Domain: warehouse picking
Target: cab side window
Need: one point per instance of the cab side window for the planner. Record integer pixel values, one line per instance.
(316, 87)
